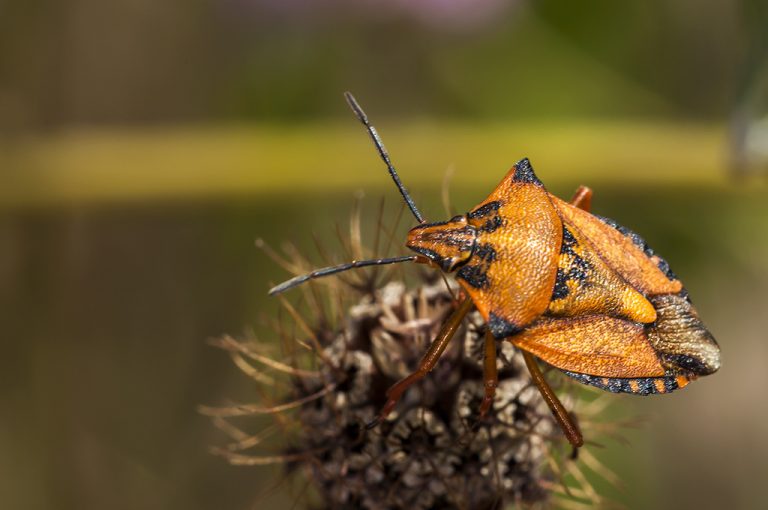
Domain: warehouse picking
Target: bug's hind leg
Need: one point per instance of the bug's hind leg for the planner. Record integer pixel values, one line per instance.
(570, 429)
(427, 363)
(582, 198)
(490, 374)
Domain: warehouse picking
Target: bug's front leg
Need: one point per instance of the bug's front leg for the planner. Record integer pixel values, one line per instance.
(428, 362)
(490, 374)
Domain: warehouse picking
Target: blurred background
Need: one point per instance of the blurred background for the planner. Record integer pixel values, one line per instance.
(145, 145)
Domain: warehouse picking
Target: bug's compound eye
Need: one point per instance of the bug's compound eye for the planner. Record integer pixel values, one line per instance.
(453, 263)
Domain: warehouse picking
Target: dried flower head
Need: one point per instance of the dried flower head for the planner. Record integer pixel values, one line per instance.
(433, 451)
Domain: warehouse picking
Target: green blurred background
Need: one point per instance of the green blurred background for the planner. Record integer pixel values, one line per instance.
(145, 145)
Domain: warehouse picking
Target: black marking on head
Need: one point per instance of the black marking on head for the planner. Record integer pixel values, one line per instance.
(645, 385)
(485, 252)
(500, 327)
(638, 241)
(475, 275)
(686, 363)
(484, 210)
(464, 237)
(524, 173)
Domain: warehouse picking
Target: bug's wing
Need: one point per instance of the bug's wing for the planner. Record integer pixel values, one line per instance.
(586, 285)
(676, 344)
(620, 251)
(511, 273)
(597, 345)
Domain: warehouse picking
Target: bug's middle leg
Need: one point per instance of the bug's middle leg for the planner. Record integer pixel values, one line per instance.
(570, 429)
(490, 374)
(428, 362)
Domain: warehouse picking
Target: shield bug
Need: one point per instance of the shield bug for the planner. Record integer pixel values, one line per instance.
(576, 290)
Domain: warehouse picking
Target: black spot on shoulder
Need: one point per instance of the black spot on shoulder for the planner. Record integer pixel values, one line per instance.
(475, 275)
(492, 224)
(489, 211)
(485, 210)
(524, 173)
(500, 327)
(485, 252)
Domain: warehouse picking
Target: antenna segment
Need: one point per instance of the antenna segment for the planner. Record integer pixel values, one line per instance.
(360, 114)
(326, 271)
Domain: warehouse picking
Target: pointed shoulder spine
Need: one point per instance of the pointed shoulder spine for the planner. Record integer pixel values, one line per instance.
(524, 173)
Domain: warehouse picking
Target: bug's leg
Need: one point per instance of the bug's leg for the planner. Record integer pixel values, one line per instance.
(490, 374)
(570, 429)
(428, 362)
(582, 198)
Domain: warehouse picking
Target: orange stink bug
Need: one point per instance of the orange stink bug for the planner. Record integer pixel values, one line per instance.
(576, 290)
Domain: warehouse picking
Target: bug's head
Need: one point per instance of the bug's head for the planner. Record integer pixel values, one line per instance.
(447, 244)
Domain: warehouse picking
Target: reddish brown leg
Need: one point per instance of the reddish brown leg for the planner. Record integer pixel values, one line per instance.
(490, 374)
(582, 198)
(428, 362)
(570, 429)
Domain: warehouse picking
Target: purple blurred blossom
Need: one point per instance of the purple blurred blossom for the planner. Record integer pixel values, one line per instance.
(454, 13)
(449, 14)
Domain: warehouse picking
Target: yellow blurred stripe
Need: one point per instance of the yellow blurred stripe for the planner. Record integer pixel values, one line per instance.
(83, 166)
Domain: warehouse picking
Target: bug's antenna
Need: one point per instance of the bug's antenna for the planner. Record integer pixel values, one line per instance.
(326, 271)
(360, 114)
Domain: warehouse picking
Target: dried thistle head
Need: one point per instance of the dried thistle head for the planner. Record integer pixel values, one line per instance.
(433, 451)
